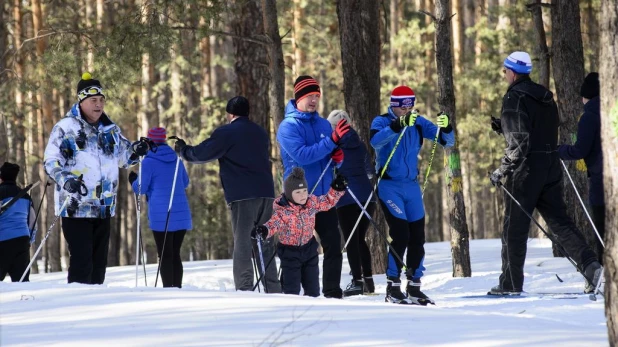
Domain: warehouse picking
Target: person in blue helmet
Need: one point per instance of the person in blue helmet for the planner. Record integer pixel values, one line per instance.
(307, 140)
(399, 191)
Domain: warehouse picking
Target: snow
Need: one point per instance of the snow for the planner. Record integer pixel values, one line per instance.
(208, 312)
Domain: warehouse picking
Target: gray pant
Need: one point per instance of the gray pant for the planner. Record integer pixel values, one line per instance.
(245, 215)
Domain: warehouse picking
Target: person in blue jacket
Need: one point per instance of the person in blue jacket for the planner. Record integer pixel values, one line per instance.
(358, 170)
(399, 191)
(17, 229)
(588, 148)
(158, 168)
(307, 140)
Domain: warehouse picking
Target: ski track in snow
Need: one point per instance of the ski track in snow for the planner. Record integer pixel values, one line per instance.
(208, 312)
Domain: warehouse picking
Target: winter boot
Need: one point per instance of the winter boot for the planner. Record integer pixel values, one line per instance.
(370, 287)
(498, 290)
(415, 295)
(393, 291)
(593, 272)
(354, 288)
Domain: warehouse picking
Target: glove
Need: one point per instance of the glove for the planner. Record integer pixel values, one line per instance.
(408, 119)
(74, 185)
(396, 125)
(495, 178)
(132, 177)
(259, 230)
(140, 148)
(496, 125)
(337, 156)
(339, 183)
(179, 146)
(444, 122)
(341, 129)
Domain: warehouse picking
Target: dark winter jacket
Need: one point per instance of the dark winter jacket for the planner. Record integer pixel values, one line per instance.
(529, 123)
(588, 147)
(17, 220)
(242, 148)
(157, 179)
(404, 163)
(355, 168)
(305, 141)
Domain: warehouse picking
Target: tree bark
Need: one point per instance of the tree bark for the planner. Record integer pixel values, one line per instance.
(541, 50)
(609, 136)
(592, 35)
(360, 58)
(276, 87)
(568, 68)
(460, 242)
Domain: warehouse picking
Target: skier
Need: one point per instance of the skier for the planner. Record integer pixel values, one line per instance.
(243, 150)
(294, 215)
(399, 191)
(17, 229)
(307, 140)
(531, 167)
(87, 143)
(158, 169)
(588, 148)
(358, 171)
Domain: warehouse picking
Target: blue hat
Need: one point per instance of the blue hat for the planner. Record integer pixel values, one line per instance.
(519, 62)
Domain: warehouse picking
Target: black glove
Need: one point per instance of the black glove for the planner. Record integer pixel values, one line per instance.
(75, 185)
(132, 177)
(179, 146)
(496, 125)
(495, 178)
(396, 125)
(339, 183)
(140, 148)
(259, 230)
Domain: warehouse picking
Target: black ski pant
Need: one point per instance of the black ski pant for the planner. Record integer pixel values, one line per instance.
(171, 264)
(299, 265)
(537, 183)
(358, 253)
(598, 217)
(88, 240)
(327, 227)
(14, 258)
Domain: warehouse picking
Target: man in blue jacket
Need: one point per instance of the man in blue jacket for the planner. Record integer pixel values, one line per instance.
(399, 191)
(17, 230)
(242, 148)
(307, 140)
(588, 148)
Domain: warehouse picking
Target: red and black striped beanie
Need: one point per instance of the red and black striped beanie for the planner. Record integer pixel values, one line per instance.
(305, 86)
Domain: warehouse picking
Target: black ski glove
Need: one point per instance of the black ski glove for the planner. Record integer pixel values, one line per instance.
(132, 177)
(259, 230)
(75, 185)
(495, 178)
(179, 146)
(496, 125)
(339, 183)
(140, 148)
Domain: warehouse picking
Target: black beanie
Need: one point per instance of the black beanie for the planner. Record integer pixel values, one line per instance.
(296, 180)
(86, 82)
(305, 86)
(9, 171)
(590, 88)
(238, 106)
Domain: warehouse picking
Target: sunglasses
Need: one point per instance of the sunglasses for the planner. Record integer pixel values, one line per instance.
(92, 91)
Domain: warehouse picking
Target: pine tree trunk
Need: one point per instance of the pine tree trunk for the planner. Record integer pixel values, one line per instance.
(568, 68)
(460, 242)
(276, 88)
(609, 136)
(541, 50)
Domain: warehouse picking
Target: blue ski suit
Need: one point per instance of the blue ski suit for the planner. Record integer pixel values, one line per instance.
(399, 191)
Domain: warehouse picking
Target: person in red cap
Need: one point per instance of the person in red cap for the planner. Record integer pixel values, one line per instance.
(158, 168)
(399, 191)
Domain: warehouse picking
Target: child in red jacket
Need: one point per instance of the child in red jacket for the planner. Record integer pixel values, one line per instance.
(294, 219)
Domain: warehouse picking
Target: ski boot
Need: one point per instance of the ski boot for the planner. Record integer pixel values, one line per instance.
(592, 271)
(393, 292)
(413, 289)
(499, 291)
(354, 288)
(369, 287)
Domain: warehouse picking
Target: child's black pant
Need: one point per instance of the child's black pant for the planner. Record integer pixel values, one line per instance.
(299, 265)
(14, 258)
(171, 264)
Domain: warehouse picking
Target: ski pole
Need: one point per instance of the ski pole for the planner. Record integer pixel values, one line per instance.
(433, 152)
(263, 274)
(38, 211)
(167, 219)
(259, 245)
(62, 209)
(138, 199)
(255, 270)
(390, 156)
(19, 195)
(582, 202)
(321, 175)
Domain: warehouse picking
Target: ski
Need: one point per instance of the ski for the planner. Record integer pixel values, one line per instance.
(526, 296)
(18, 196)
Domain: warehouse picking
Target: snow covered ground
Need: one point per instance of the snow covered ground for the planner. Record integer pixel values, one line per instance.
(208, 312)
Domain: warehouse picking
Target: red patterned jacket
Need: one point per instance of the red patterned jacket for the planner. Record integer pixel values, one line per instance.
(295, 223)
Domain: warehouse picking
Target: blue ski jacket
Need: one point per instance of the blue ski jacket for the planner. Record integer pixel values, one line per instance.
(17, 220)
(356, 167)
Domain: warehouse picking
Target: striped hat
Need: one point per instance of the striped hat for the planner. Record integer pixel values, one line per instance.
(157, 135)
(402, 96)
(305, 86)
(519, 62)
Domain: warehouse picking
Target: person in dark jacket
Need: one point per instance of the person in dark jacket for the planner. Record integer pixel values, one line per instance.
(307, 140)
(358, 170)
(588, 148)
(17, 229)
(158, 168)
(531, 167)
(242, 149)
